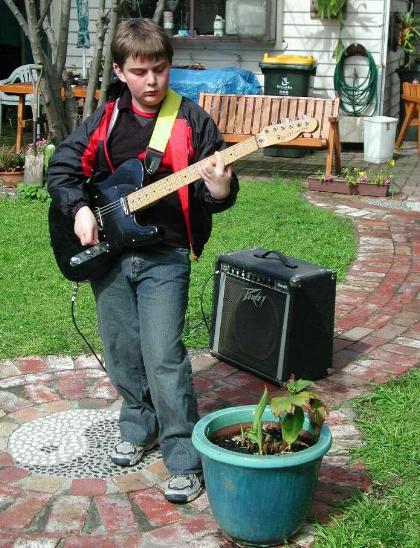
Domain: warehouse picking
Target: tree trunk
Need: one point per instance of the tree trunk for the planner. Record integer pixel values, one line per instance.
(101, 27)
(107, 72)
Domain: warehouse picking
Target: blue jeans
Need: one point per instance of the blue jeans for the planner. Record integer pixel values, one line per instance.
(141, 305)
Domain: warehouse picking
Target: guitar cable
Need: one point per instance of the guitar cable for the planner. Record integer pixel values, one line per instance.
(212, 275)
(74, 290)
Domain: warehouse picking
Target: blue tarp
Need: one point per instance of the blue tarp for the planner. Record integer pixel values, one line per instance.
(190, 83)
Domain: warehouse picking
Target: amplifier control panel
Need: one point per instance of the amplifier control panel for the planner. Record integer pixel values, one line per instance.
(255, 277)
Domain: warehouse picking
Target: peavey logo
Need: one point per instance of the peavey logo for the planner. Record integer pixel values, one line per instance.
(255, 296)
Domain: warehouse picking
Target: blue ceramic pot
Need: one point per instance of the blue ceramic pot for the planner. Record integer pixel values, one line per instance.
(258, 500)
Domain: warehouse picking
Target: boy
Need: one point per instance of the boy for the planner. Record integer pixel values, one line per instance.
(141, 302)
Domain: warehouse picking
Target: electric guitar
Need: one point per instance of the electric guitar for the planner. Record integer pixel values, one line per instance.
(116, 200)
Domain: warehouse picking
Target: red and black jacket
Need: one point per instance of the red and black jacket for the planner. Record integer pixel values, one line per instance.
(114, 133)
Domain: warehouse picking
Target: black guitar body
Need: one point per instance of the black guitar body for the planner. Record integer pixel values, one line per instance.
(117, 227)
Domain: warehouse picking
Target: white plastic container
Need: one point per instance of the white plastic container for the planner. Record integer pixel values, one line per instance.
(219, 26)
(379, 138)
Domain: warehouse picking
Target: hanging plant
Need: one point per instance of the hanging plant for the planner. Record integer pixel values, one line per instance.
(332, 9)
(409, 35)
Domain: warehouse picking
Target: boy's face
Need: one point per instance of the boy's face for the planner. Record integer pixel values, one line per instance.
(147, 81)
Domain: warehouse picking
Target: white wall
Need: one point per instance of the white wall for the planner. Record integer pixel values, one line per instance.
(366, 23)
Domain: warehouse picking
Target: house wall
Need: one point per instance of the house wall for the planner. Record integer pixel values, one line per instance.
(367, 23)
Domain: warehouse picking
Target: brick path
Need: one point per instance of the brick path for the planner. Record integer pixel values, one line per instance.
(377, 338)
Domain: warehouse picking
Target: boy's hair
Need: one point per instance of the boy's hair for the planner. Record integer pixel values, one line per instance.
(141, 38)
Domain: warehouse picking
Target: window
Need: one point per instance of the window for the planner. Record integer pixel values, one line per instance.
(244, 20)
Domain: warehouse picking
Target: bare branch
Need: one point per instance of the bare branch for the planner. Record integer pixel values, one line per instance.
(18, 15)
(63, 35)
(113, 23)
(160, 6)
(44, 23)
(45, 8)
(101, 28)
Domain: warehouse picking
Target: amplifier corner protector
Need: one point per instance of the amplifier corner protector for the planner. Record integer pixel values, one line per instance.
(295, 281)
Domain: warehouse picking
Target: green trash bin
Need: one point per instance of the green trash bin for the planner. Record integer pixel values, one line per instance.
(287, 75)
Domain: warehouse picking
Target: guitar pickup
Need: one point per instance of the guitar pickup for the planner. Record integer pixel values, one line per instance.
(98, 217)
(124, 205)
(90, 253)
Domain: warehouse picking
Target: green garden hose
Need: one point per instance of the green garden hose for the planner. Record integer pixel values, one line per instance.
(356, 98)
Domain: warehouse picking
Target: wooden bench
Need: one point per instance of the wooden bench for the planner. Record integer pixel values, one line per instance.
(240, 116)
(411, 98)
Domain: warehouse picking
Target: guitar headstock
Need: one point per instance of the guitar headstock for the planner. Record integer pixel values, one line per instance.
(285, 131)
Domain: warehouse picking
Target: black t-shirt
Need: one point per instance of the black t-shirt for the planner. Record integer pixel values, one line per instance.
(129, 139)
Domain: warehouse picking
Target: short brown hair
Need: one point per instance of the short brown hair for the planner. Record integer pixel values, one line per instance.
(141, 38)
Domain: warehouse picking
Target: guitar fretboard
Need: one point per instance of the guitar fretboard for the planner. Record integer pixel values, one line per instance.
(152, 193)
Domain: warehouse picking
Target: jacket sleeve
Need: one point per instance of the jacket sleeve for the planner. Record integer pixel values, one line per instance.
(66, 177)
(206, 140)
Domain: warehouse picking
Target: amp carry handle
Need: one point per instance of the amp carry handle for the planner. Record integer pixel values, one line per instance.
(280, 256)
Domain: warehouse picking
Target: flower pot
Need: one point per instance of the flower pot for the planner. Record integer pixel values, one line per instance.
(11, 178)
(257, 499)
(372, 189)
(338, 185)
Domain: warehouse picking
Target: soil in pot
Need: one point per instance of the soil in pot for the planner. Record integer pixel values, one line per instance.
(230, 438)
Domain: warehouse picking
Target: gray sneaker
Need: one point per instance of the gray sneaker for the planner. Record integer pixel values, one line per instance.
(184, 488)
(126, 453)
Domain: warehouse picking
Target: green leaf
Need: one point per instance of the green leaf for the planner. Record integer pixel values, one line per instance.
(259, 410)
(255, 433)
(297, 386)
(292, 425)
(317, 414)
(285, 404)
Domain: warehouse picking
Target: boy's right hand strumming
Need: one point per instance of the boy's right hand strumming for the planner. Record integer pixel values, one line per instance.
(86, 226)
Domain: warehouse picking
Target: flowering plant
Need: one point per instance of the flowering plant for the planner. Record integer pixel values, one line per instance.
(40, 145)
(10, 160)
(382, 176)
(43, 147)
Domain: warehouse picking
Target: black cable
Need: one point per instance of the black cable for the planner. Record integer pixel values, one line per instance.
(74, 291)
(202, 299)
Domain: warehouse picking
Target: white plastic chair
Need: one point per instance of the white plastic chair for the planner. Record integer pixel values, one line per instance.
(24, 73)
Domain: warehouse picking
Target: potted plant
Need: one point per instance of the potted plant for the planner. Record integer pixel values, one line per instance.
(342, 184)
(11, 166)
(261, 463)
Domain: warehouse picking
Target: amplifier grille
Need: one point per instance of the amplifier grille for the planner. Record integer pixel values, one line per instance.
(251, 324)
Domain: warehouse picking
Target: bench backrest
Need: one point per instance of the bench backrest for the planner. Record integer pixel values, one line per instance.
(249, 114)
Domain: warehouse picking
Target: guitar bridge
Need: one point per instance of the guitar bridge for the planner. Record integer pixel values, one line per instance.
(90, 253)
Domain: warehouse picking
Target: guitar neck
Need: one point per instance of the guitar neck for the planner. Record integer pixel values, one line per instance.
(152, 193)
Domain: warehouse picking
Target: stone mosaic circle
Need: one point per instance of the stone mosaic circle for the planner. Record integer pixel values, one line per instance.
(74, 444)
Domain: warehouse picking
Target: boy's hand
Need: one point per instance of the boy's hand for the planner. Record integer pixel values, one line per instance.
(86, 227)
(217, 177)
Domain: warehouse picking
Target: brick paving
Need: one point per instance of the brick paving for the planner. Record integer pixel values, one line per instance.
(377, 338)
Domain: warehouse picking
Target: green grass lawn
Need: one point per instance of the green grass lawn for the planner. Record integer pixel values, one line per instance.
(35, 298)
(389, 515)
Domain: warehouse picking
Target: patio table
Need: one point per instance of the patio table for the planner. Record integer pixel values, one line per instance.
(21, 89)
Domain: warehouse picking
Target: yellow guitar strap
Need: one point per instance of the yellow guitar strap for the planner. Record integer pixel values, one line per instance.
(162, 131)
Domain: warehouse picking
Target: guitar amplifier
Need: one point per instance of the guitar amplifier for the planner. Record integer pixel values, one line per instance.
(273, 315)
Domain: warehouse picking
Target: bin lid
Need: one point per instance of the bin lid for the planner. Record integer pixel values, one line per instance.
(380, 120)
(289, 59)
